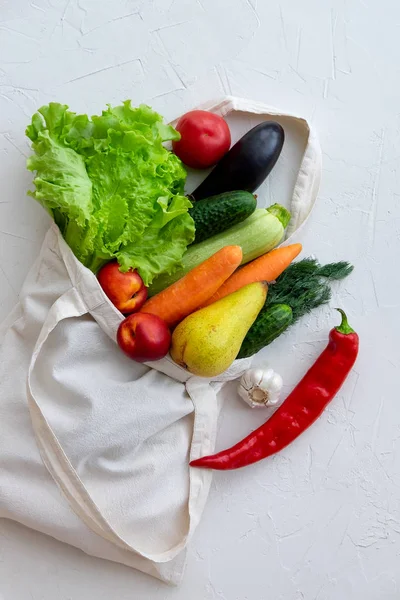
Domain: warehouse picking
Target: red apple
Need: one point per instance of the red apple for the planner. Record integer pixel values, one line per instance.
(144, 337)
(126, 290)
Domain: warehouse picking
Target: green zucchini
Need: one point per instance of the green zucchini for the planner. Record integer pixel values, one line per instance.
(218, 213)
(270, 323)
(256, 235)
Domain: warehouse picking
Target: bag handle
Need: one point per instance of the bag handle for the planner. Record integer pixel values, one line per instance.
(201, 392)
(67, 306)
(309, 176)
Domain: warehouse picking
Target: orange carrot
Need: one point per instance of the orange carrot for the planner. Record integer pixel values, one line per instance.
(265, 268)
(189, 293)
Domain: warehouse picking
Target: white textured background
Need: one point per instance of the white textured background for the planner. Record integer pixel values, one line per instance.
(321, 521)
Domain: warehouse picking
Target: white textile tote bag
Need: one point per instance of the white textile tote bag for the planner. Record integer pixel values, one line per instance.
(95, 448)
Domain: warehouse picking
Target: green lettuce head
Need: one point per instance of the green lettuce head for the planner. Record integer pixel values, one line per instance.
(112, 187)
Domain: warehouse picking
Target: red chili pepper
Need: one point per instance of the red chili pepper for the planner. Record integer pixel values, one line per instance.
(300, 409)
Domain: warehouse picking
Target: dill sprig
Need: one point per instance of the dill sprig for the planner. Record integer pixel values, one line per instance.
(304, 285)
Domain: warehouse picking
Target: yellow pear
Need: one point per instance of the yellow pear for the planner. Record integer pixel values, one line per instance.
(208, 340)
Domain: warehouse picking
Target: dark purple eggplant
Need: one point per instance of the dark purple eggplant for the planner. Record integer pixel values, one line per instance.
(247, 164)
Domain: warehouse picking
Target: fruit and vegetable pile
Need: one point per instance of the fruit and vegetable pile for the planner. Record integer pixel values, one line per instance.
(197, 275)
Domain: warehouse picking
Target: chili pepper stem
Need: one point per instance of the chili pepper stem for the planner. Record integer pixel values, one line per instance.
(344, 326)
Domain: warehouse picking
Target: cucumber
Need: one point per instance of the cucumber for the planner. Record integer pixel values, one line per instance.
(270, 323)
(218, 213)
(256, 235)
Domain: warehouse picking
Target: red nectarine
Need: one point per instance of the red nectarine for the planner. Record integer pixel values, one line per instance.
(144, 337)
(126, 290)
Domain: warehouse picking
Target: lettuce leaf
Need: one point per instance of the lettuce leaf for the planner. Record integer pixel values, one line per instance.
(112, 187)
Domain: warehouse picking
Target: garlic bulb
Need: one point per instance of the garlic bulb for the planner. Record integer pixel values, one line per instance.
(260, 388)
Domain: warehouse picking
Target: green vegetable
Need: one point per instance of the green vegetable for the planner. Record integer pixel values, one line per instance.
(303, 286)
(218, 213)
(256, 235)
(112, 187)
(269, 325)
